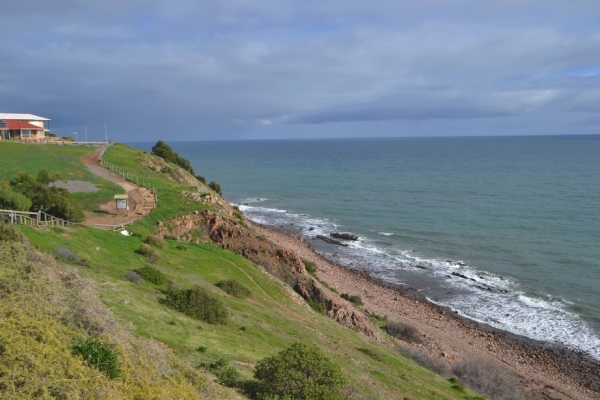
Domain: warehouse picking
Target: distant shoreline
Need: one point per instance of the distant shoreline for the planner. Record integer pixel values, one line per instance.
(547, 370)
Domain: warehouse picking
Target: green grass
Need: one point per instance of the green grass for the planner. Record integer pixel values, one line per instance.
(170, 201)
(18, 157)
(274, 317)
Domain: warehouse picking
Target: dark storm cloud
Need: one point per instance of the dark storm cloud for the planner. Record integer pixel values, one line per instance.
(253, 69)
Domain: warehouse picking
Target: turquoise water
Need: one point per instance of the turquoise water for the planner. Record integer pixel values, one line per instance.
(523, 214)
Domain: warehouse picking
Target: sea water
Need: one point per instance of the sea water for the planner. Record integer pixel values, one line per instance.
(503, 230)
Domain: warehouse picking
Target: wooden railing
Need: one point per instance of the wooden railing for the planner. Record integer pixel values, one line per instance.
(39, 218)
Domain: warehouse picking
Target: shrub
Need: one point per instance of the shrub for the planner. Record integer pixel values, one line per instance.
(11, 200)
(224, 372)
(489, 379)
(67, 255)
(310, 267)
(165, 152)
(202, 349)
(301, 372)
(315, 305)
(134, 277)
(374, 354)
(148, 252)
(233, 288)
(354, 299)
(11, 233)
(155, 241)
(181, 247)
(151, 274)
(216, 187)
(403, 331)
(99, 354)
(201, 179)
(424, 360)
(197, 303)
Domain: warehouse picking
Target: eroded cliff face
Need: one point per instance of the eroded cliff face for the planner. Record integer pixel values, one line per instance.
(226, 226)
(228, 229)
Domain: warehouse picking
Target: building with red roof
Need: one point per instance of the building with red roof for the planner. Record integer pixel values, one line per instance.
(22, 127)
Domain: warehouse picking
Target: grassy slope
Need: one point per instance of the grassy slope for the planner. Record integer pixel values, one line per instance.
(274, 317)
(16, 157)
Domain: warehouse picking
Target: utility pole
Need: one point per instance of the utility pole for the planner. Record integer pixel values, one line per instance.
(105, 134)
(86, 134)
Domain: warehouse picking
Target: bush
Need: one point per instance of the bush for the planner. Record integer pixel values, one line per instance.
(424, 360)
(155, 241)
(489, 379)
(10, 233)
(354, 299)
(301, 372)
(151, 274)
(403, 331)
(54, 201)
(165, 152)
(310, 267)
(224, 372)
(67, 255)
(148, 252)
(216, 187)
(99, 354)
(10, 200)
(134, 277)
(201, 179)
(233, 288)
(197, 303)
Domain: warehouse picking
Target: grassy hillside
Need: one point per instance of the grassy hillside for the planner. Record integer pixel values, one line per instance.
(16, 157)
(269, 320)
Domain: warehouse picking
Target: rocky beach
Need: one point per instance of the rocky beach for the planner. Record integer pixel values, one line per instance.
(545, 371)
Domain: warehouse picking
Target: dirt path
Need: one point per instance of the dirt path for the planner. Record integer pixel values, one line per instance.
(107, 213)
(450, 338)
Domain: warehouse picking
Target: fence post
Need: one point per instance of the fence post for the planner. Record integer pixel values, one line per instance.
(39, 217)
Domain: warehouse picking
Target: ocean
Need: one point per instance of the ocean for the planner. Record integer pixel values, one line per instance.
(503, 230)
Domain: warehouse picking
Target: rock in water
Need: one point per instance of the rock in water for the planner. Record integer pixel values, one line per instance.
(345, 236)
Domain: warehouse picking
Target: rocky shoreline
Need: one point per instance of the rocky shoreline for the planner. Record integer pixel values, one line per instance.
(545, 371)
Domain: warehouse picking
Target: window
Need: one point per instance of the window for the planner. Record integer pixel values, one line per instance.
(26, 134)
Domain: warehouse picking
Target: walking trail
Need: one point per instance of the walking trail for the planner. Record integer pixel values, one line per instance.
(140, 200)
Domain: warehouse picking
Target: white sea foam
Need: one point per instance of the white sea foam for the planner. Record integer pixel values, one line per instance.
(479, 295)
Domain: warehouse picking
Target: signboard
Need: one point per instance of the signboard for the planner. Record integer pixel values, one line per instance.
(121, 204)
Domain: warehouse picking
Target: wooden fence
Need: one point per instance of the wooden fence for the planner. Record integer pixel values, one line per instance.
(39, 218)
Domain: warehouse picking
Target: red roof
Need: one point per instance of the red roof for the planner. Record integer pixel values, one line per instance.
(15, 124)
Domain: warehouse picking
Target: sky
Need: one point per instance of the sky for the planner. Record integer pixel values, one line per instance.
(182, 70)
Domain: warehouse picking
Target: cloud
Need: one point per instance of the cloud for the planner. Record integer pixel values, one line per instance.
(203, 69)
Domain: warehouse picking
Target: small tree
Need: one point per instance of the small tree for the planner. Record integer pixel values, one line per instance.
(301, 372)
(10, 200)
(216, 187)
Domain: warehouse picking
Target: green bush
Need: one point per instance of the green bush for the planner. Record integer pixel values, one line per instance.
(54, 201)
(151, 274)
(148, 252)
(224, 372)
(233, 288)
(165, 152)
(11, 233)
(201, 179)
(216, 187)
(99, 354)
(11, 200)
(197, 303)
(354, 299)
(301, 372)
(155, 241)
(310, 267)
